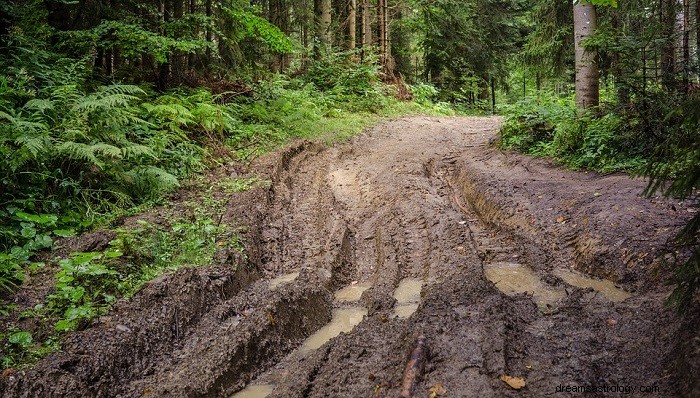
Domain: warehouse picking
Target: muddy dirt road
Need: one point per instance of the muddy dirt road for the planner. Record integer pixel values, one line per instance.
(440, 265)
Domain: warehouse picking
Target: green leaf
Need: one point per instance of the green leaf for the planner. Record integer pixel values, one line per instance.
(85, 257)
(112, 254)
(64, 233)
(37, 218)
(22, 338)
(43, 241)
(28, 232)
(64, 325)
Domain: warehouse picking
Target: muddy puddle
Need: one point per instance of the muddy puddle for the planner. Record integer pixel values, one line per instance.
(344, 320)
(255, 391)
(514, 278)
(407, 296)
(282, 279)
(604, 286)
(352, 292)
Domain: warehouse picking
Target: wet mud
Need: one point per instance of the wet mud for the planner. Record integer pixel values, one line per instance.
(415, 237)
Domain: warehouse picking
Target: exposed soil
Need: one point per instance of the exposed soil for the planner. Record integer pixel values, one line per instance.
(425, 201)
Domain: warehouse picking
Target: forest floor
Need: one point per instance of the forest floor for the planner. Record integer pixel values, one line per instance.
(447, 267)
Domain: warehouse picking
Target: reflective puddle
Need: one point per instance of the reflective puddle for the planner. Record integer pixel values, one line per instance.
(606, 287)
(407, 296)
(282, 279)
(353, 292)
(513, 278)
(344, 320)
(255, 391)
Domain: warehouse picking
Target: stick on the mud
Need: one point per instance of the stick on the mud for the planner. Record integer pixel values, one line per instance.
(414, 367)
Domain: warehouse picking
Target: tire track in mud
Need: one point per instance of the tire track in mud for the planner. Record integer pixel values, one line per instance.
(415, 199)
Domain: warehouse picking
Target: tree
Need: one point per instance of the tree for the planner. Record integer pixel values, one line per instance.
(322, 24)
(352, 24)
(587, 75)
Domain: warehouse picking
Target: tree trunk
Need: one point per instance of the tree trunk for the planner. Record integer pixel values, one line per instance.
(322, 24)
(208, 34)
(697, 28)
(163, 78)
(587, 77)
(382, 32)
(279, 16)
(367, 24)
(668, 53)
(352, 24)
(686, 45)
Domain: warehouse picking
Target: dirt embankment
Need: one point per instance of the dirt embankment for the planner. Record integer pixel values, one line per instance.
(422, 204)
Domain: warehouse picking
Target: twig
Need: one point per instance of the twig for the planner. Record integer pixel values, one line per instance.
(414, 368)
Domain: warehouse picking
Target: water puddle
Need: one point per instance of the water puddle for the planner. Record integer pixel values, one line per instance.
(407, 296)
(352, 292)
(513, 278)
(604, 286)
(282, 279)
(255, 391)
(344, 320)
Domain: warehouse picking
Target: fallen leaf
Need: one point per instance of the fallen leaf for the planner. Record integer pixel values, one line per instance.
(515, 383)
(561, 219)
(437, 390)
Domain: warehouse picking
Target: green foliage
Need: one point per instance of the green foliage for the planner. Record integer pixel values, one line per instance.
(465, 51)
(555, 130)
(153, 249)
(345, 81)
(84, 287)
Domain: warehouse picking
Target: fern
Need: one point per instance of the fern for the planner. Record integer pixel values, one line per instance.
(106, 150)
(77, 151)
(136, 151)
(36, 146)
(147, 183)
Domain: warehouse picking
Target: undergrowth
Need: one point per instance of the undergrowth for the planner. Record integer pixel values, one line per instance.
(551, 127)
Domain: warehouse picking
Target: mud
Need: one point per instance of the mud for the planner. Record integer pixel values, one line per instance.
(420, 206)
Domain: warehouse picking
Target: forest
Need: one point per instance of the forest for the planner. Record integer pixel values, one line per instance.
(108, 106)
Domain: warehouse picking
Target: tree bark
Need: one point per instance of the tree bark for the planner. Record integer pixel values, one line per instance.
(686, 45)
(367, 24)
(587, 76)
(352, 24)
(668, 53)
(382, 32)
(697, 28)
(322, 24)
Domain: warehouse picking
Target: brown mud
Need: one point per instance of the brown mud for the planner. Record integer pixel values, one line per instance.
(469, 263)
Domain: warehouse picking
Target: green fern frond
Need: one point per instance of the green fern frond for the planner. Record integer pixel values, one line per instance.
(7, 116)
(95, 102)
(147, 182)
(106, 150)
(128, 89)
(78, 151)
(136, 151)
(40, 105)
(34, 145)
